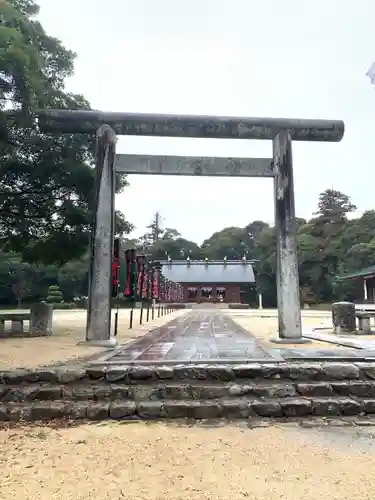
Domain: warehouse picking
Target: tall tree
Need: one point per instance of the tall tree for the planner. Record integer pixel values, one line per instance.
(154, 233)
(334, 206)
(229, 243)
(46, 180)
(155, 228)
(170, 234)
(178, 248)
(21, 277)
(73, 278)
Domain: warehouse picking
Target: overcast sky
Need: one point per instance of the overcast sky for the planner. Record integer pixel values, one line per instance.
(293, 58)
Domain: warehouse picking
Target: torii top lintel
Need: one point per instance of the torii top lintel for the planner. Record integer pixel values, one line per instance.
(214, 127)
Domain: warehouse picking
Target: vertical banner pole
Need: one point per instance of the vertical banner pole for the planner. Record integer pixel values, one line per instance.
(148, 288)
(116, 280)
(141, 268)
(133, 285)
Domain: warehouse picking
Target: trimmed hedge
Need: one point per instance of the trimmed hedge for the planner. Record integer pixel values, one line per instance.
(63, 305)
(54, 295)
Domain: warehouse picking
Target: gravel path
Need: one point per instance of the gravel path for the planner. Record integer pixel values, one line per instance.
(167, 462)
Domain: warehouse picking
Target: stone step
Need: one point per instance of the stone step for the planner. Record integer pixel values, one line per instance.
(88, 390)
(287, 371)
(198, 409)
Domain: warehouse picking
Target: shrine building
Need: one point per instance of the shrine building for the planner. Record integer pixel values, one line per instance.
(210, 281)
(366, 278)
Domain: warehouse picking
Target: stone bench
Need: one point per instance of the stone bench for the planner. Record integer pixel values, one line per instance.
(39, 318)
(16, 322)
(364, 318)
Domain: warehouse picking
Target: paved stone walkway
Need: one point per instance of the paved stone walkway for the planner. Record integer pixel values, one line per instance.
(213, 336)
(195, 337)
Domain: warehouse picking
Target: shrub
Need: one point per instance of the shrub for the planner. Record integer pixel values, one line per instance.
(80, 302)
(124, 303)
(64, 305)
(54, 295)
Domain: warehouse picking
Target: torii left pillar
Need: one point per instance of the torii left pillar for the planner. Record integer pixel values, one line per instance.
(98, 326)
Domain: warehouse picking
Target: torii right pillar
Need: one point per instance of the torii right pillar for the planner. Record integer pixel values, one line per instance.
(288, 293)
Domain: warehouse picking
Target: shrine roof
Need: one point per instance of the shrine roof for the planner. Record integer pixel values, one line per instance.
(367, 272)
(199, 271)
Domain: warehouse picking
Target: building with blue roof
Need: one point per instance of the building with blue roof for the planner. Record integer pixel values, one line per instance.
(210, 281)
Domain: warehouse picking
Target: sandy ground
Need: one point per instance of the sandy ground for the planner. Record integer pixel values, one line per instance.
(354, 336)
(167, 462)
(68, 329)
(360, 337)
(160, 461)
(265, 328)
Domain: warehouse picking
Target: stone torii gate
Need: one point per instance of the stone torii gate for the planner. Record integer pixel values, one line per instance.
(106, 125)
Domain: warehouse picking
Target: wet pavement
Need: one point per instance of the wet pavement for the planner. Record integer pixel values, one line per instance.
(195, 337)
(213, 337)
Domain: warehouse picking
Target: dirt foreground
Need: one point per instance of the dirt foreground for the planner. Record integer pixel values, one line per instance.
(165, 462)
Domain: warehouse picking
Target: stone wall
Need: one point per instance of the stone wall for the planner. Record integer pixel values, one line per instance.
(273, 390)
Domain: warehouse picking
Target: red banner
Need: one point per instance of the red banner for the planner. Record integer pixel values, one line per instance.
(140, 266)
(162, 289)
(155, 285)
(127, 291)
(115, 267)
(145, 283)
(115, 270)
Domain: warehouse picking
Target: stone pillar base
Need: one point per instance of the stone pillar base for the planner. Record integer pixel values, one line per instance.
(110, 343)
(41, 316)
(343, 317)
(296, 340)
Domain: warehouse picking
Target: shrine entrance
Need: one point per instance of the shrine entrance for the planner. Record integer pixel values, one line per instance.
(280, 167)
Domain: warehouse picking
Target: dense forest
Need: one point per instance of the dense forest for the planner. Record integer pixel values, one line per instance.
(329, 244)
(47, 193)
